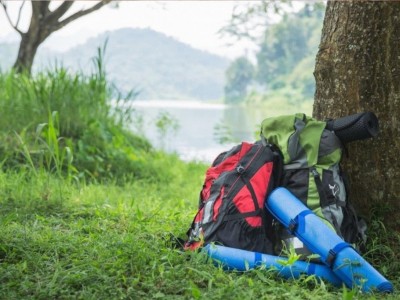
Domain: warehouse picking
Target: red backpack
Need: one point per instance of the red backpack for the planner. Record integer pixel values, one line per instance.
(231, 205)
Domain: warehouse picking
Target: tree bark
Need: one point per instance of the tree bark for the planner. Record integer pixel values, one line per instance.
(26, 53)
(358, 69)
(37, 32)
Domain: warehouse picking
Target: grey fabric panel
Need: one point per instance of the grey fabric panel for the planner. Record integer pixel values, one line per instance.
(329, 143)
(294, 140)
(209, 206)
(333, 212)
(208, 209)
(297, 154)
(301, 163)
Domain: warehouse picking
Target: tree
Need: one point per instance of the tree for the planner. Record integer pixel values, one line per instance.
(43, 23)
(286, 49)
(358, 69)
(238, 76)
(286, 43)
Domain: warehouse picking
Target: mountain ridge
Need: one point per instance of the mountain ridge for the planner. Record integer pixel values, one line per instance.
(157, 65)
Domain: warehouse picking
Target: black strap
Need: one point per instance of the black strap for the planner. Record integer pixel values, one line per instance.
(360, 238)
(278, 161)
(243, 177)
(318, 182)
(334, 252)
(243, 215)
(258, 211)
(323, 198)
(278, 165)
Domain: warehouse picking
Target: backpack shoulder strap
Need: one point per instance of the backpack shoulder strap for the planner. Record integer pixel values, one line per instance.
(278, 161)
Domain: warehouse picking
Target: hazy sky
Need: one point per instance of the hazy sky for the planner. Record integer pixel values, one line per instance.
(192, 22)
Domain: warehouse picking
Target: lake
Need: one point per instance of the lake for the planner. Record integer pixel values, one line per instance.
(201, 126)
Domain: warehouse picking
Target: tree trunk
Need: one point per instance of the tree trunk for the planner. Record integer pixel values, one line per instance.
(26, 53)
(358, 69)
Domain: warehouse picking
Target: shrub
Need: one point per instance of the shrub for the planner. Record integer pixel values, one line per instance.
(69, 122)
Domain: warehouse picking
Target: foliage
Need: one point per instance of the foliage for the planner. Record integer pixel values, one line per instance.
(286, 58)
(66, 122)
(166, 126)
(238, 76)
(223, 134)
(286, 44)
(248, 17)
(50, 155)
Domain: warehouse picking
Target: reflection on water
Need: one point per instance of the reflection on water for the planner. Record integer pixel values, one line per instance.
(195, 139)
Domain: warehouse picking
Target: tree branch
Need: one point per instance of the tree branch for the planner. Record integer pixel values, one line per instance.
(19, 13)
(3, 3)
(81, 13)
(59, 12)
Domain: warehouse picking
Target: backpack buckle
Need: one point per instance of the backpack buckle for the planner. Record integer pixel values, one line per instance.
(292, 226)
(240, 169)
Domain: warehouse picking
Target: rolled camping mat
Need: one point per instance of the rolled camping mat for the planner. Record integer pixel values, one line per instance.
(355, 127)
(344, 260)
(243, 260)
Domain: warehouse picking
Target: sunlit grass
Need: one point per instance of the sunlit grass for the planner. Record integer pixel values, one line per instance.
(62, 240)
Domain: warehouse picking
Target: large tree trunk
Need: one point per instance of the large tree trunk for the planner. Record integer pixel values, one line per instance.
(26, 54)
(358, 69)
(30, 42)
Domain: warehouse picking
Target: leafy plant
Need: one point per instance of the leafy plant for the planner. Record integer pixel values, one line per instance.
(223, 134)
(54, 155)
(84, 135)
(166, 125)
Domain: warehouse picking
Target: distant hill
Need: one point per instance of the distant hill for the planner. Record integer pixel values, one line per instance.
(8, 54)
(159, 66)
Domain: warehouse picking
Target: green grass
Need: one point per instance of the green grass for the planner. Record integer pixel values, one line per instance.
(66, 122)
(62, 240)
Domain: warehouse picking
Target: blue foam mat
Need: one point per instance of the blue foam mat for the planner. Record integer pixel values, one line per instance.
(242, 260)
(344, 261)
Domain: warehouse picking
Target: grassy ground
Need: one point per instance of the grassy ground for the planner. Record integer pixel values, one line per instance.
(89, 211)
(61, 240)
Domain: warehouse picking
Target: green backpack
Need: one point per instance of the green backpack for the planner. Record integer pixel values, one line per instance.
(311, 171)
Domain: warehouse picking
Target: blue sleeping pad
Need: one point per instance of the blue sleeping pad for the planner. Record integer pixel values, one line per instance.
(242, 260)
(341, 257)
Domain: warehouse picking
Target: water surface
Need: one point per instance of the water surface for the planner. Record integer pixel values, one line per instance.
(197, 135)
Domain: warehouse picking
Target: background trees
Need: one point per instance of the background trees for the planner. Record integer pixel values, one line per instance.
(288, 42)
(238, 76)
(45, 19)
(285, 58)
(358, 69)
